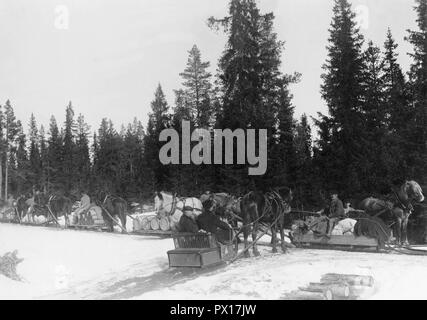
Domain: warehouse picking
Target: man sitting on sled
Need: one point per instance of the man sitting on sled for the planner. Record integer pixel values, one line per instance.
(211, 223)
(330, 216)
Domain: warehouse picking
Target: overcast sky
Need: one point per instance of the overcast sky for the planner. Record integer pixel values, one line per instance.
(113, 54)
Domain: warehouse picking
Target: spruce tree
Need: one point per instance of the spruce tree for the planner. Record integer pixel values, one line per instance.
(198, 88)
(342, 90)
(155, 173)
(399, 111)
(44, 160)
(22, 164)
(69, 151)
(303, 163)
(54, 161)
(34, 154)
(418, 81)
(82, 160)
(373, 167)
(253, 91)
(10, 136)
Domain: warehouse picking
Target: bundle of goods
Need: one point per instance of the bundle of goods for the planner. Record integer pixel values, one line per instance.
(344, 227)
(150, 221)
(95, 216)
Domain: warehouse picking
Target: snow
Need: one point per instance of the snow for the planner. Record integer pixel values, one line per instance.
(64, 264)
(57, 260)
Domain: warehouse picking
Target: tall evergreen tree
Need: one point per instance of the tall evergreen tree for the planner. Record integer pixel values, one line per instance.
(156, 174)
(82, 159)
(22, 165)
(418, 80)
(184, 178)
(375, 164)
(342, 90)
(11, 132)
(303, 163)
(44, 159)
(34, 154)
(198, 88)
(68, 151)
(396, 91)
(399, 111)
(54, 165)
(253, 90)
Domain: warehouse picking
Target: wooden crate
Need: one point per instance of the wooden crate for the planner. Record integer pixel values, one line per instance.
(194, 258)
(344, 241)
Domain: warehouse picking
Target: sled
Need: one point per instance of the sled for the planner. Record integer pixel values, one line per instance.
(154, 233)
(89, 227)
(199, 250)
(346, 242)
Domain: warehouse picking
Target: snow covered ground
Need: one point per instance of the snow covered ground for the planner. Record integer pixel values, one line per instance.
(63, 264)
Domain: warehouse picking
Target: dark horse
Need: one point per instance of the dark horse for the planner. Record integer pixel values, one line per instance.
(399, 207)
(269, 208)
(112, 207)
(52, 207)
(21, 207)
(58, 206)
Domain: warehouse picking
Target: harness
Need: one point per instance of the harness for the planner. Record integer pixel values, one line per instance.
(281, 206)
(402, 205)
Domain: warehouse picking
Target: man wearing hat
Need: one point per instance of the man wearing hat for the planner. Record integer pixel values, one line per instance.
(336, 211)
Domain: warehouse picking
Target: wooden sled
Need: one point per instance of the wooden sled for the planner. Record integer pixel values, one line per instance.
(199, 250)
(337, 242)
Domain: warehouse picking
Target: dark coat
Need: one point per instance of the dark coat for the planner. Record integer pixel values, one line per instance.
(211, 223)
(336, 209)
(187, 225)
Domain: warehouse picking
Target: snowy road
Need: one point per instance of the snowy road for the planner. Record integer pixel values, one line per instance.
(74, 264)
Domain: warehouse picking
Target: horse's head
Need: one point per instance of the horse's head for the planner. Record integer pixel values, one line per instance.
(285, 193)
(206, 196)
(413, 191)
(209, 206)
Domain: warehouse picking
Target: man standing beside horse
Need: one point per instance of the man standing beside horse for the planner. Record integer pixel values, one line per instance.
(83, 208)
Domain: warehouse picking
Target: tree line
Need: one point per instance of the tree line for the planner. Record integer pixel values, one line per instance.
(375, 131)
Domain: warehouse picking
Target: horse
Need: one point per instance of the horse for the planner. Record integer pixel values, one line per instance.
(52, 207)
(269, 208)
(399, 206)
(59, 206)
(169, 205)
(113, 206)
(21, 207)
(225, 205)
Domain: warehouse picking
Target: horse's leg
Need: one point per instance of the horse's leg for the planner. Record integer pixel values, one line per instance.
(282, 237)
(274, 238)
(405, 230)
(123, 220)
(67, 213)
(254, 238)
(399, 230)
(245, 238)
